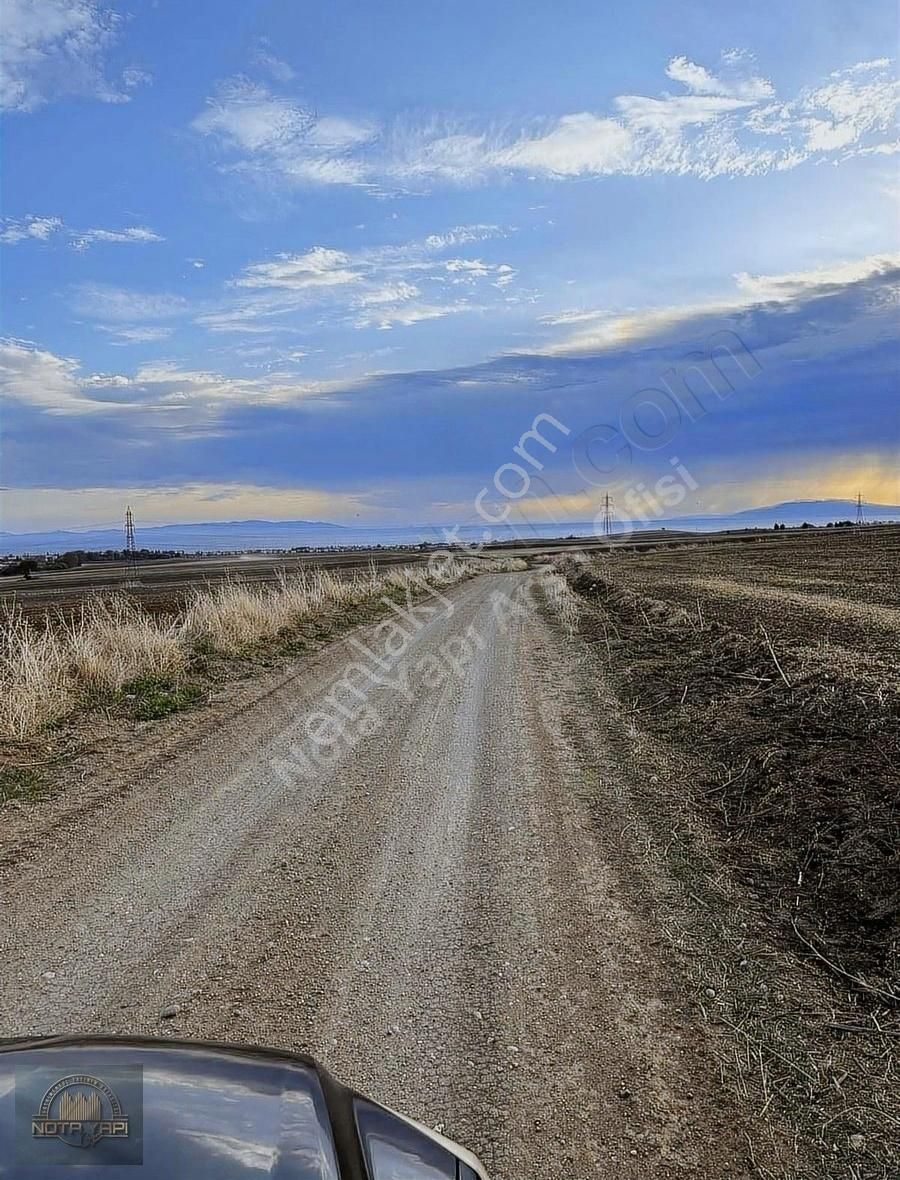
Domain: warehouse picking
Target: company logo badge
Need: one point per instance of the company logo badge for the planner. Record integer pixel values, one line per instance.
(81, 1110)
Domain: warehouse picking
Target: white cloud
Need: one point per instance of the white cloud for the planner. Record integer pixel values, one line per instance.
(39, 229)
(576, 145)
(575, 316)
(119, 305)
(843, 113)
(468, 267)
(662, 116)
(53, 48)
(285, 284)
(796, 284)
(471, 270)
(461, 235)
(600, 330)
(133, 233)
(131, 317)
(404, 315)
(139, 335)
(30, 374)
(274, 135)
(319, 267)
(847, 116)
(418, 154)
(42, 229)
(252, 317)
(248, 116)
(864, 67)
(134, 76)
(175, 396)
(272, 65)
(383, 287)
(35, 509)
(728, 122)
(390, 293)
(699, 80)
(336, 134)
(166, 384)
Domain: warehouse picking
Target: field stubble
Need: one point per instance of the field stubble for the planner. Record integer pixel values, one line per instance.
(758, 697)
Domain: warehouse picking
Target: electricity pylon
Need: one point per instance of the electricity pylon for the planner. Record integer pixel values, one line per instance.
(607, 515)
(860, 514)
(131, 563)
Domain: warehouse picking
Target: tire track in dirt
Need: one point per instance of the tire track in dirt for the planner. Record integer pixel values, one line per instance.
(431, 914)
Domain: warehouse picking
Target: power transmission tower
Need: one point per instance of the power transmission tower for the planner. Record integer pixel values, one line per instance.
(860, 514)
(131, 563)
(607, 515)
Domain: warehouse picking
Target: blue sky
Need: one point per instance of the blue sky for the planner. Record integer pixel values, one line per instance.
(331, 261)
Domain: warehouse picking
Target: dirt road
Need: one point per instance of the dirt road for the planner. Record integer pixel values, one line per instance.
(448, 914)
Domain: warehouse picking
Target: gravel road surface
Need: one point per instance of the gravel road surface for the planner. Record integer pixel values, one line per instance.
(444, 910)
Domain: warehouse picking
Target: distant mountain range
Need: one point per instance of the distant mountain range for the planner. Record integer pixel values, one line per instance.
(214, 536)
(795, 512)
(237, 535)
(790, 512)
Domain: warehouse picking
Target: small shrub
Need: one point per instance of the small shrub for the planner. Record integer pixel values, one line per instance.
(150, 698)
(20, 783)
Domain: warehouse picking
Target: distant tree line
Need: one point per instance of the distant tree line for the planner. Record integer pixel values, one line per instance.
(832, 524)
(73, 558)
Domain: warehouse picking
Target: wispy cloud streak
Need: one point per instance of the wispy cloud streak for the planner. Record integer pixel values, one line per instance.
(725, 123)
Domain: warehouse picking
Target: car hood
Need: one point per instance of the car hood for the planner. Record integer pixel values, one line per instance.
(192, 1111)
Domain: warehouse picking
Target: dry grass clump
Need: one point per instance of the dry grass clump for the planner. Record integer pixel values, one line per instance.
(34, 675)
(113, 642)
(561, 597)
(44, 670)
(453, 569)
(233, 617)
(507, 565)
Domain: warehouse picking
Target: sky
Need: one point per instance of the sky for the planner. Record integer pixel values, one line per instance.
(332, 262)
